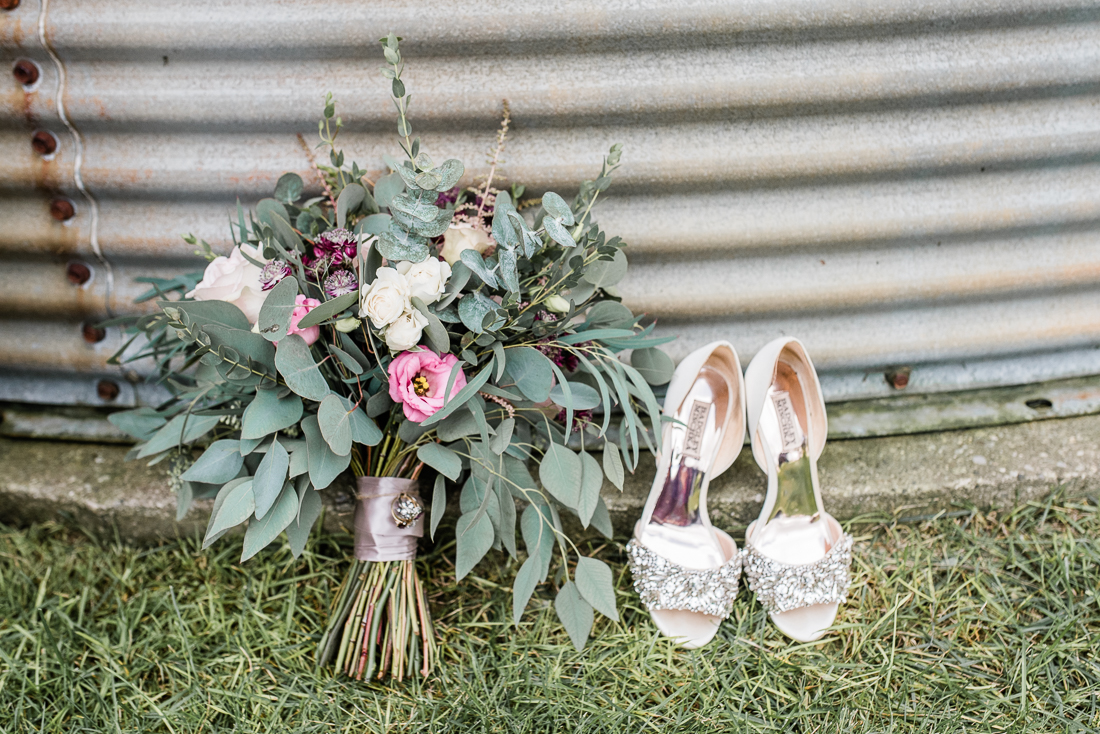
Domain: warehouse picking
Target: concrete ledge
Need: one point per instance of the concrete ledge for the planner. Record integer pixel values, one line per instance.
(93, 486)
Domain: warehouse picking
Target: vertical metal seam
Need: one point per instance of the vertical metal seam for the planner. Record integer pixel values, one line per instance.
(78, 157)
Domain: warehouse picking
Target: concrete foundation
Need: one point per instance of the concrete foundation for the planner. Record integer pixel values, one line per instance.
(91, 485)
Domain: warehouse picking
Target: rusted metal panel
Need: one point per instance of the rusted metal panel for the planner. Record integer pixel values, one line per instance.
(901, 185)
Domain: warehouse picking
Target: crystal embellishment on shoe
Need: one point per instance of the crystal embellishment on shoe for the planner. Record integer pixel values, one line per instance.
(781, 587)
(663, 584)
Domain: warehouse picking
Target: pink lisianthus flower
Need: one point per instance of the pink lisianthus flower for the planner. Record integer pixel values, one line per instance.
(418, 381)
(303, 306)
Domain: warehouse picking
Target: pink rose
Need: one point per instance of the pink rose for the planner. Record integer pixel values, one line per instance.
(304, 306)
(418, 381)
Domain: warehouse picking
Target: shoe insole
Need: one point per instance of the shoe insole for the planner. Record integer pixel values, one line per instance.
(676, 529)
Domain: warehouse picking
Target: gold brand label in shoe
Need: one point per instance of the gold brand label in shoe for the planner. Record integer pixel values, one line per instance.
(781, 587)
(663, 584)
(696, 428)
(789, 429)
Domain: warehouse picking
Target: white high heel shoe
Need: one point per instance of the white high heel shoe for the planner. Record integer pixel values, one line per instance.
(685, 570)
(796, 555)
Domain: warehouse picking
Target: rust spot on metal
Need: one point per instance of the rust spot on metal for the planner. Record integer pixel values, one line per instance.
(44, 142)
(92, 333)
(78, 273)
(62, 209)
(9, 4)
(898, 378)
(25, 72)
(107, 390)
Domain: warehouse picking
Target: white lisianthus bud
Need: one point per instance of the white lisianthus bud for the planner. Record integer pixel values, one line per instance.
(349, 324)
(557, 304)
(463, 237)
(235, 280)
(426, 279)
(384, 300)
(404, 333)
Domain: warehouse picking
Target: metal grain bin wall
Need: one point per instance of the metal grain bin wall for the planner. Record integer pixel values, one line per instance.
(908, 183)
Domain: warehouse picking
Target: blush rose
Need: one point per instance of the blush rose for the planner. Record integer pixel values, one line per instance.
(303, 306)
(418, 381)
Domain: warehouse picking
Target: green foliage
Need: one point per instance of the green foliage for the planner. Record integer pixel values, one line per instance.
(535, 323)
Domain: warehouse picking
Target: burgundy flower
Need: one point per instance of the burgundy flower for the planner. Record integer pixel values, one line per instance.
(272, 273)
(562, 358)
(340, 282)
(333, 248)
(581, 418)
(447, 197)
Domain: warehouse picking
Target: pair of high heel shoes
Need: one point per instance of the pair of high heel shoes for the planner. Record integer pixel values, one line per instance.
(796, 555)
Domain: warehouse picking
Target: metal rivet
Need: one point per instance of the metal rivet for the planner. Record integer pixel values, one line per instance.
(9, 4)
(898, 378)
(62, 210)
(44, 142)
(92, 333)
(78, 273)
(25, 72)
(106, 390)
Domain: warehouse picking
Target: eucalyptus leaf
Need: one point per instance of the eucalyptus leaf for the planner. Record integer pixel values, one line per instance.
(604, 273)
(278, 306)
(591, 481)
(262, 531)
(399, 245)
(474, 537)
(530, 371)
(558, 233)
(289, 188)
(374, 224)
(268, 210)
(457, 425)
(653, 365)
(561, 472)
(328, 309)
(218, 464)
(295, 363)
(439, 504)
(584, 397)
(449, 173)
(271, 474)
(267, 413)
(596, 584)
(350, 198)
(141, 423)
(473, 310)
(181, 430)
(334, 421)
(601, 519)
(234, 504)
(523, 586)
(442, 459)
(575, 614)
(503, 436)
(388, 187)
(309, 509)
(538, 535)
(613, 466)
(476, 263)
(324, 464)
(555, 206)
(436, 332)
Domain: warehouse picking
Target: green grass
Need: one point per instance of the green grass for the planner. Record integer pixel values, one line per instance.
(979, 622)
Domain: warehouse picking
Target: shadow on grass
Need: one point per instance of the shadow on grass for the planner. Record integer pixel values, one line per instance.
(971, 622)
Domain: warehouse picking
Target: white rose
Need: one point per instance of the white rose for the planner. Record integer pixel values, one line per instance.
(463, 237)
(235, 280)
(405, 332)
(427, 279)
(384, 300)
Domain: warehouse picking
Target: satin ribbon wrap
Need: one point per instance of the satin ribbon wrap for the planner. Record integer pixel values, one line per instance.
(377, 537)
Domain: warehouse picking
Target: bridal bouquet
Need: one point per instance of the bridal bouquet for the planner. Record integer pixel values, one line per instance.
(401, 328)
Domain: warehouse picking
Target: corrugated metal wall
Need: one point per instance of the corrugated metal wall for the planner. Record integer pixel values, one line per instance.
(910, 183)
